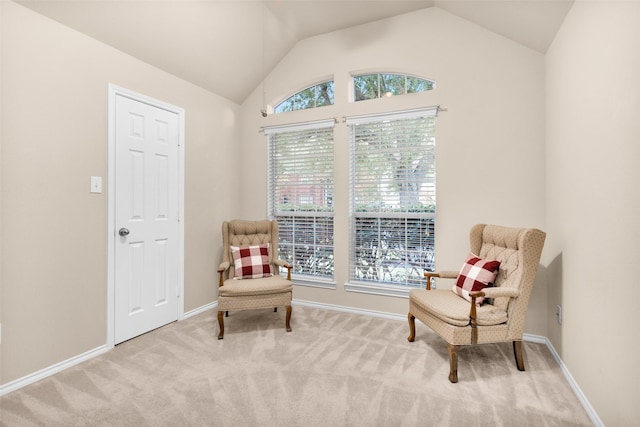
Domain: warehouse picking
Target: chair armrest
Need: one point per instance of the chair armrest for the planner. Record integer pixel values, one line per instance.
(487, 293)
(282, 263)
(223, 266)
(286, 265)
(495, 293)
(221, 269)
(449, 274)
(441, 274)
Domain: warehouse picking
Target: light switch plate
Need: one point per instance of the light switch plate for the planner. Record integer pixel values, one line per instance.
(96, 184)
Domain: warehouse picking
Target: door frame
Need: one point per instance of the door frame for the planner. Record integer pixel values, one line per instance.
(113, 92)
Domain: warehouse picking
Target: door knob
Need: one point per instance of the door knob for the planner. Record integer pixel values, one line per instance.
(123, 232)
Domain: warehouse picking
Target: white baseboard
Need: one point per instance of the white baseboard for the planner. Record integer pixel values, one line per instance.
(200, 310)
(61, 366)
(352, 310)
(54, 369)
(526, 337)
(595, 419)
(58, 367)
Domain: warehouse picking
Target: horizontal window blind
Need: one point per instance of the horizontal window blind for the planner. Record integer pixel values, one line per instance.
(301, 195)
(393, 197)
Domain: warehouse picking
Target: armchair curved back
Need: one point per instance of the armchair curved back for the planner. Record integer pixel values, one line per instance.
(249, 233)
(518, 251)
(501, 316)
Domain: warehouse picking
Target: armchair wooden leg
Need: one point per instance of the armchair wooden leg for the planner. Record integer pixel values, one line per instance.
(517, 351)
(412, 327)
(288, 321)
(275, 309)
(453, 361)
(221, 324)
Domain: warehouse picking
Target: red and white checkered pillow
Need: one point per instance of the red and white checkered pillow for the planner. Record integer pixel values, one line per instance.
(251, 262)
(475, 275)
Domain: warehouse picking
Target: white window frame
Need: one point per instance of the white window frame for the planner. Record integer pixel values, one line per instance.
(379, 93)
(296, 107)
(372, 287)
(271, 132)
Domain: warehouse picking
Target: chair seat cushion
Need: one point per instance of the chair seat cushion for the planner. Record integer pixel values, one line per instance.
(452, 309)
(263, 286)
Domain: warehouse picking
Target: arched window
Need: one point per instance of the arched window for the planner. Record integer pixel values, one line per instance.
(372, 86)
(314, 96)
(391, 181)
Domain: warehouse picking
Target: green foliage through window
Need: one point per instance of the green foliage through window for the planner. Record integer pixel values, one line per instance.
(311, 97)
(301, 197)
(393, 199)
(372, 86)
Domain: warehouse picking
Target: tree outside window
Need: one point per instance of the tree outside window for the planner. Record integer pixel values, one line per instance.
(372, 86)
(393, 200)
(319, 95)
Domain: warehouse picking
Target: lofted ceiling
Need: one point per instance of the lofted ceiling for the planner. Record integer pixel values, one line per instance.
(229, 46)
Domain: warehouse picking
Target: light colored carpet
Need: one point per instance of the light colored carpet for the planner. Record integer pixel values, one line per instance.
(334, 369)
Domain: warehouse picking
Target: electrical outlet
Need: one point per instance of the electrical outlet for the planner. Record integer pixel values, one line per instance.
(559, 314)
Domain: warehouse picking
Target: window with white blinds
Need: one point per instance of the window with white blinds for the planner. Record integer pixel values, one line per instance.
(392, 197)
(301, 195)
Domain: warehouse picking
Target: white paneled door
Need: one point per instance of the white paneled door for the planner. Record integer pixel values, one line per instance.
(146, 288)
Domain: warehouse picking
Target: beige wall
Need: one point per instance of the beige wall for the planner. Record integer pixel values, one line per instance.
(593, 202)
(490, 142)
(581, 186)
(54, 137)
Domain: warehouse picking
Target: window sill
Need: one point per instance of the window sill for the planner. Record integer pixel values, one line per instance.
(313, 282)
(378, 289)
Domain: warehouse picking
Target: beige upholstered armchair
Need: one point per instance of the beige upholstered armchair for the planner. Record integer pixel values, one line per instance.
(500, 318)
(249, 273)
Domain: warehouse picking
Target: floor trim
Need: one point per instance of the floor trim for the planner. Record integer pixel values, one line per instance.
(526, 337)
(61, 366)
(51, 370)
(58, 367)
(591, 412)
(352, 310)
(200, 310)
